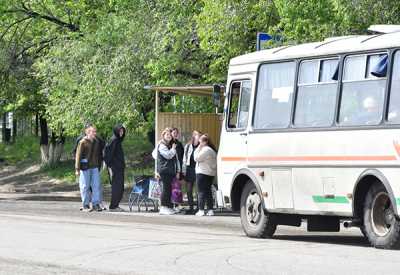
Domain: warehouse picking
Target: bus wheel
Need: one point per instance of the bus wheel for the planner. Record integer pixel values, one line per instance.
(255, 222)
(380, 223)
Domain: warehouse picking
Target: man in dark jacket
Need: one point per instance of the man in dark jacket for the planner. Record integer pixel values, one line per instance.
(116, 164)
(99, 153)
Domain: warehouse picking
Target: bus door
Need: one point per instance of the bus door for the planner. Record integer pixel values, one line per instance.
(233, 145)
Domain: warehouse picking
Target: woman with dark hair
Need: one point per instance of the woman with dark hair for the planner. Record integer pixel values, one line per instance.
(206, 169)
(168, 167)
(189, 167)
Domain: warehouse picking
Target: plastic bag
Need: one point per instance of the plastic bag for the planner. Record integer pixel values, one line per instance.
(155, 189)
(176, 194)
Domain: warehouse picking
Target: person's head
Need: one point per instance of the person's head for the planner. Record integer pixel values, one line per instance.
(119, 131)
(195, 137)
(369, 104)
(175, 133)
(87, 127)
(166, 135)
(206, 141)
(91, 132)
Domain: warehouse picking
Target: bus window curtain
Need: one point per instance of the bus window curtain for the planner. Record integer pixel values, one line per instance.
(380, 68)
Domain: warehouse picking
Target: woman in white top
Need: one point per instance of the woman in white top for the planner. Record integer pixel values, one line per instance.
(206, 169)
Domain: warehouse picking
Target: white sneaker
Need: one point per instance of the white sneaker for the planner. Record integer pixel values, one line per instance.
(200, 213)
(166, 211)
(210, 212)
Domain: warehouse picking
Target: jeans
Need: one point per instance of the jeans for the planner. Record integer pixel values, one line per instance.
(90, 178)
(204, 183)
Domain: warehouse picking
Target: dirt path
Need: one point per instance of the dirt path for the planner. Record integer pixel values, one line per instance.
(30, 183)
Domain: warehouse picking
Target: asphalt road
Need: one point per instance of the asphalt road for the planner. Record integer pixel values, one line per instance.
(55, 238)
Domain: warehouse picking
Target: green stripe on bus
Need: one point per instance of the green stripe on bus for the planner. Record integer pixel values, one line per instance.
(336, 199)
(398, 201)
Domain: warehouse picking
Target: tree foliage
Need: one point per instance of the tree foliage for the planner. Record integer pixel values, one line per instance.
(88, 60)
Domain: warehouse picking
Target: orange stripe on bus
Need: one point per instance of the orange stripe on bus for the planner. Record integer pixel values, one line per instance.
(234, 158)
(312, 158)
(396, 147)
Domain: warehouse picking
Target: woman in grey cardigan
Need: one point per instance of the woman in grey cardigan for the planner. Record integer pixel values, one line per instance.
(206, 169)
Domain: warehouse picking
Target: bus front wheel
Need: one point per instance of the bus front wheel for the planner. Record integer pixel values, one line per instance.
(381, 225)
(256, 222)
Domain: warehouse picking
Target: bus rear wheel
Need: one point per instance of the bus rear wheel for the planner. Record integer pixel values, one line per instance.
(256, 222)
(381, 225)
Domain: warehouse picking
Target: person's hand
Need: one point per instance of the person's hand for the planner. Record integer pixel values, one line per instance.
(157, 176)
(178, 176)
(77, 172)
(173, 145)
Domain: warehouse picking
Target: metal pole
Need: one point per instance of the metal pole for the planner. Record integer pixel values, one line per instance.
(156, 133)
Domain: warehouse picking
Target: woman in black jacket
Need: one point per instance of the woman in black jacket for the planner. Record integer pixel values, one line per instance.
(168, 167)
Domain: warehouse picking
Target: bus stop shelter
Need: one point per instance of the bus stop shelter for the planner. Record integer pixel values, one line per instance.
(186, 122)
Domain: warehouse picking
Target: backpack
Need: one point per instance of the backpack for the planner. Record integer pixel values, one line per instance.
(107, 157)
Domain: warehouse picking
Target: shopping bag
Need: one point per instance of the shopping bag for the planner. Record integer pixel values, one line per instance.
(176, 194)
(220, 199)
(155, 189)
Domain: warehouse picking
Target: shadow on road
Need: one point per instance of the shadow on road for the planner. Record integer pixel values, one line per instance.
(323, 239)
(49, 198)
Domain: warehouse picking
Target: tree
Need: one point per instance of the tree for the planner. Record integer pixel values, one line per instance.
(228, 28)
(28, 29)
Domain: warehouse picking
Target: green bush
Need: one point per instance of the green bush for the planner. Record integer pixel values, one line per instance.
(25, 149)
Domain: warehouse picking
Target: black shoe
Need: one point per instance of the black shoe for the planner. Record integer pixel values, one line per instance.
(86, 208)
(97, 208)
(190, 211)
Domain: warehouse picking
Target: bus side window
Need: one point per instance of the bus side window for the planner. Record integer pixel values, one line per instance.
(234, 105)
(239, 104)
(394, 97)
(362, 93)
(316, 96)
(274, 95)
(244, 104)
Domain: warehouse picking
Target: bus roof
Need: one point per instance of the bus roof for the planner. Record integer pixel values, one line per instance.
(330, 46)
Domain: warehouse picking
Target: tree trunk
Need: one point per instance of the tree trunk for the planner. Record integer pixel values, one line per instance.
(44, 141)
(56, 148)
(15, 130)
(36, 125)
(3, 129)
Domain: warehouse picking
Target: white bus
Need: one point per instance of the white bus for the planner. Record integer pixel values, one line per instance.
(312, 132)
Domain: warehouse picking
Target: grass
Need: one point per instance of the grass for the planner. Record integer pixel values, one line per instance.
(24, 150)
(63, 171)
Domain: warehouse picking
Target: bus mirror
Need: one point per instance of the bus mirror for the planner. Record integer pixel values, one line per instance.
(216, 95)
